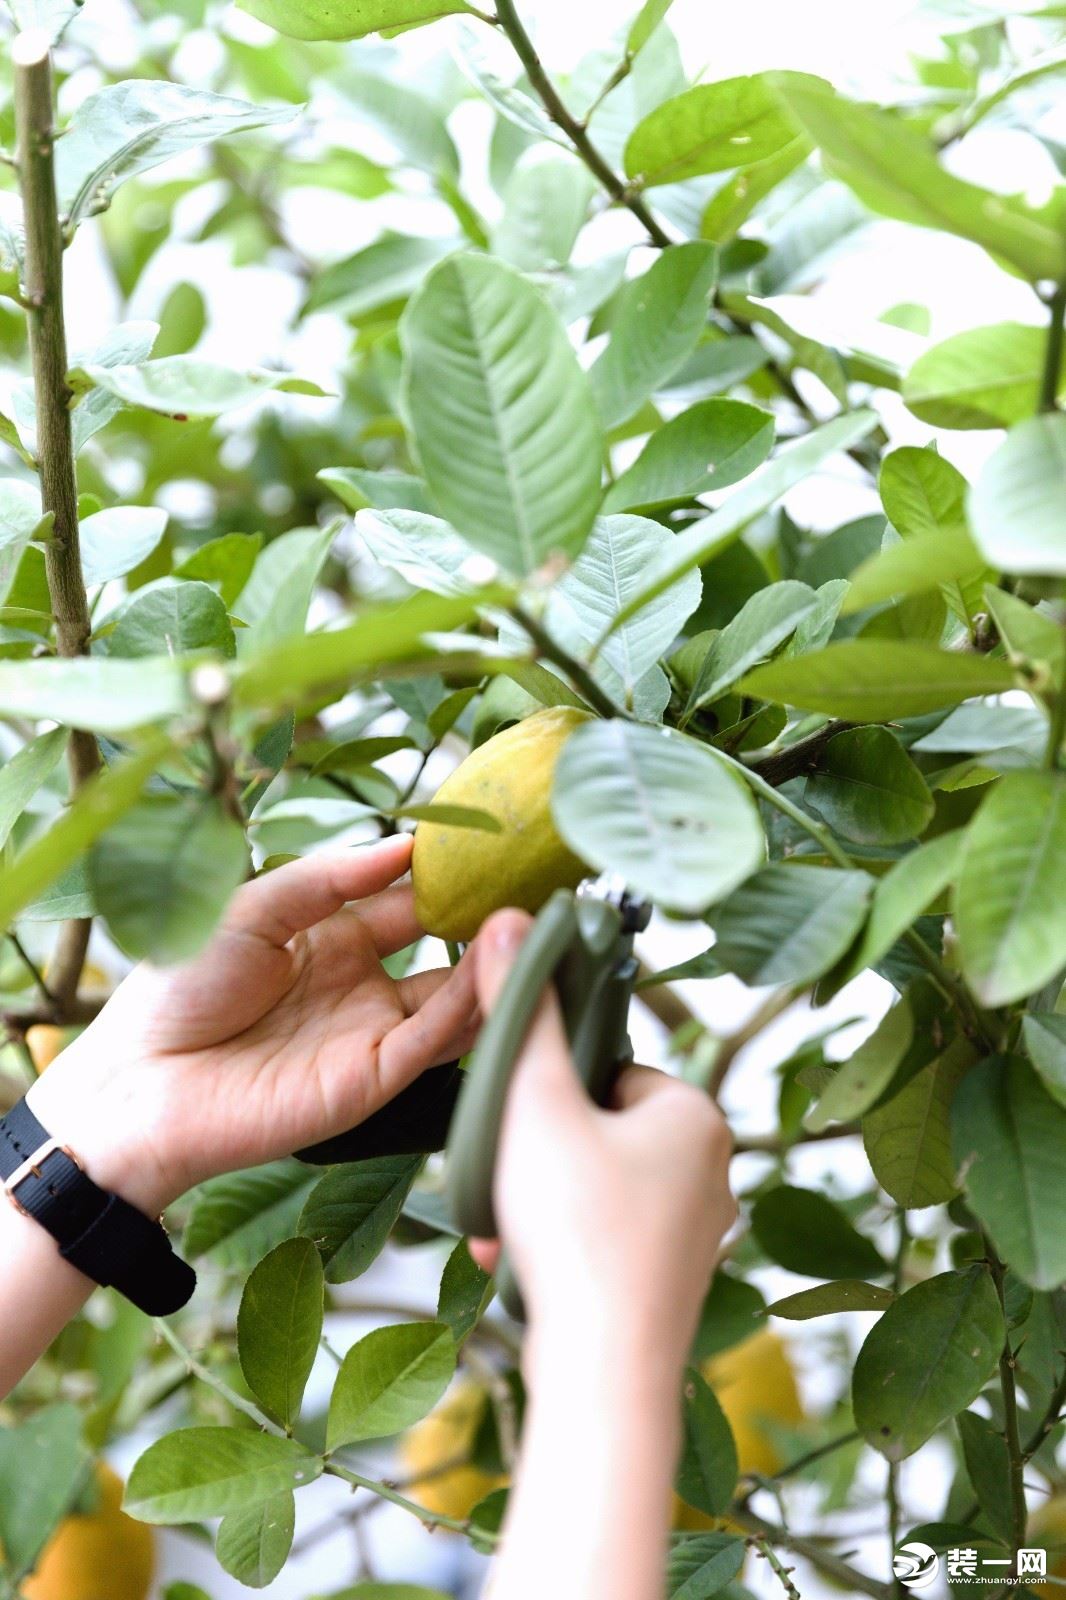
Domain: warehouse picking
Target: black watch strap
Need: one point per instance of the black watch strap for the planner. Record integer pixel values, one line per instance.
(100, 1234)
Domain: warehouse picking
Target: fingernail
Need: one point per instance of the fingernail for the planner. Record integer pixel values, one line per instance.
(506, 938)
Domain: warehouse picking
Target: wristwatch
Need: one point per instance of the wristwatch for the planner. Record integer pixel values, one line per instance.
(99, 1233)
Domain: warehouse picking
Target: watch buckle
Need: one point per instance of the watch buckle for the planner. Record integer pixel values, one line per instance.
(31, 1168)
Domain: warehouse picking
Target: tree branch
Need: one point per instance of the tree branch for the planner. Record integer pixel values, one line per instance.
(575, 670)
(34, 119)
(1019, 1511)
(790, 761)
(852, 1580)
(1049, 386)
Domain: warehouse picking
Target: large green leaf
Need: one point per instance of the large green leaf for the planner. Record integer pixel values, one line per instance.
(275, 601)
(239, 1217)
(210, 1472)
(703, 1566)
(666, 814)
(764, 622)
(878, 680)
(906, 890)
(790, 924)
(163, 874)
(412, 122)
(546, 203)
(894, 169)
(1009, 914)
(659, 320)
(1008, 1138)
(99, 804)
(425, 550)
(908, 1139)
(501, 414)
(829, 1299)
(126, 345)
(253, 1545)
(346, 19)
(179, 616)
(805, 1232)
(1016, 504)
(20, 517)
(982, 378)
(389, 1381)
(465, 1292)
(279, 1325)
(860, 1081)
(389, 269)
(50, 15)
(710, 446)
(186, 387)
(867, 788)
(928, 1357)
(41, 1463)
(707, 1472)
(115, 541)
(24, 773)
(1045, 1039)
(128, 127)
(984, 1449)
(713, 127)
(790, 466)
(350, 1212)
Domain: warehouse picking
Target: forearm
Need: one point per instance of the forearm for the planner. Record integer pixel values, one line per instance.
(590, 1510)
(41, 1294)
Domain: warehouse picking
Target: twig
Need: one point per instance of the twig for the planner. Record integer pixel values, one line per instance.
(783, 1573)
(779, 766)
(1049, 383)
(1015, 1454)
(662, 1001)
(384, 1491)
(213, 1381)
(774, 1006)
(503, 1404)
(34, 120)
(851, 1578)
(772, 1144)
(32, 968)
(575, 670)
(72, 1013)
(1051, 1418)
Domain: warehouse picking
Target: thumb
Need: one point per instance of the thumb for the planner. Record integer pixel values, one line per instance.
(544, 1078)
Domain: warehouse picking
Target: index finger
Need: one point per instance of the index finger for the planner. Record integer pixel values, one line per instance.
(285, 902)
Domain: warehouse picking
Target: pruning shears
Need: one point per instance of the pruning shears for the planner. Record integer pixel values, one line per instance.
(582, 942)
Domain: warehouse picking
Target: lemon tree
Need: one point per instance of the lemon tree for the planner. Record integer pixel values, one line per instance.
(545, 499)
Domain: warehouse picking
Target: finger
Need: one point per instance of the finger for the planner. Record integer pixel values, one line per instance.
(390, 919)
(435, 1032)
(485, 1253)
(282, 903)
(544, 1070)
(636, 1084)
(414, 991)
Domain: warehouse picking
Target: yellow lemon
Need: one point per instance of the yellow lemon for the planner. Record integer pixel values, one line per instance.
(44, 1041)
(462, 875)
(436, 1454)
(1047, 1531)
(103, 1555)
(755, 1386)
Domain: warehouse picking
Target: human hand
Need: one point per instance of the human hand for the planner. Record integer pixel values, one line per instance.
(612, 1218)
(286, 1029)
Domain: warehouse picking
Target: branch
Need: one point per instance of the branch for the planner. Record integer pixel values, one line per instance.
(662, 1000)
(774, 1006)
(575, 670)
(1049, 386)
(834, 1566)
(1019, 1511)
(781, 765)
(34, 120)
(774, 1144)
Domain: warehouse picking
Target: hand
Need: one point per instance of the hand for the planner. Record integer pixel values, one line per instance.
(612, 1219)
(286, 1029)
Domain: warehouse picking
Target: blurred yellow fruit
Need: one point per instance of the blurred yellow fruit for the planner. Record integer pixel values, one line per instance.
(462, 875)
(755, 1386)
(104, 1555)
(1047, 1531)
(44, 1042)
(436, 1456)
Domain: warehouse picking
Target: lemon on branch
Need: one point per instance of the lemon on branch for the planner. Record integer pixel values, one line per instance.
(436, 1454)
(99, 1554)
(462, 875)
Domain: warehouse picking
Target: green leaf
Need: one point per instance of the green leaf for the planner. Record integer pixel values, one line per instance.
(805, 1232)
(700, 1567)
(659, 320)
(346, 19)
(790, 466)
(645, 23)
(949, 560)
(893, 168)
(389, 269)
(351, 1211)
(226, 562)
(173, 619)
(984, 1450)
(239, 1217)
(907, 889)
(868, 789)
(983, 378)
(546, 203)
(763, 623)
(453, 816)
(707, 1472)
(789, 924)
(878, 680)
(738, 197)
(253, 1545)
(713, 127)
(50, 15)
(42, 1461)
(210, 1472)
(908, 1139)
(1008, 1136)
(1045, 1040)
(20, 518)
(859, 1083)
(187, 387)
(164, 872)
(24, 773)
(275, 601)
(113, 542)
(130, 342)
(928, 1357)
(465, 1292)
(424, 550)
(1016, 504)
(279, 1325)
(99, 804)
(126, 128)
(389, 1381)
(360, 489)
(829, 1299)
(1028, 635)
(1009, 915)
(666, 814)
(710, 446)
(501, 414)
(413, 123)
